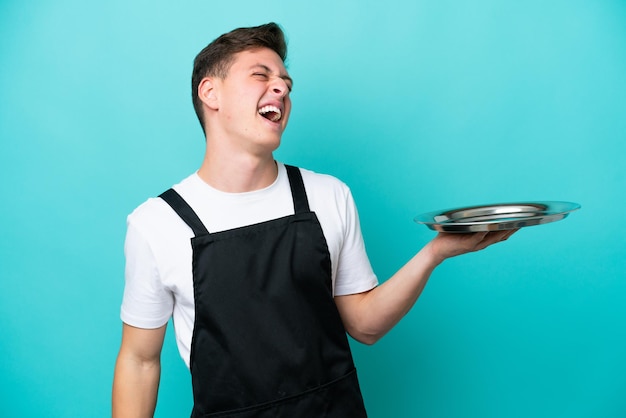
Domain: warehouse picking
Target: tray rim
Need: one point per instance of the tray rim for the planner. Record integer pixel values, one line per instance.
(555, 210)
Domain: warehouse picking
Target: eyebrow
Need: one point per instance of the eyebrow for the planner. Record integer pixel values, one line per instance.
(269, 70)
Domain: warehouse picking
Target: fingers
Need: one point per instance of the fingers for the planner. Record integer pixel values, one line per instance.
(447, 245)
(510, 232)
(491, 238)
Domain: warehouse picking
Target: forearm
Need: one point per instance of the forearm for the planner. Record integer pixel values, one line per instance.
(135, 387)
(372, 314)
(369, 316)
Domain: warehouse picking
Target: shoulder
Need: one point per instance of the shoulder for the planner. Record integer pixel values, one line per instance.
(155, 215)
(324, 186)
(328, 195)
(150, 213)
(330, 198)
(321, 179)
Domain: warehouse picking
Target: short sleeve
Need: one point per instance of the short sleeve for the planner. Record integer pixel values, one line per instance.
(354, 270)
(146, 303)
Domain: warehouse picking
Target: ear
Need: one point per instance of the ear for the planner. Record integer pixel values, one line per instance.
(207, 93)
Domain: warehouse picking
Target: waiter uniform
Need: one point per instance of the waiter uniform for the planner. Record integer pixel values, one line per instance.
(268, 340)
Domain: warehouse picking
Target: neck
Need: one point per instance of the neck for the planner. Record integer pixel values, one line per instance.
(238, 173)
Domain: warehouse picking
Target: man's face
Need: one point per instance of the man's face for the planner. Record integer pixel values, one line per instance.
(253, 100)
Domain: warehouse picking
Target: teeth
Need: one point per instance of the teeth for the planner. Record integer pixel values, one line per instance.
(269, 108)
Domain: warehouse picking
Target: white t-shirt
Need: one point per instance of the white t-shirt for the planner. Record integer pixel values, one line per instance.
(159, 282)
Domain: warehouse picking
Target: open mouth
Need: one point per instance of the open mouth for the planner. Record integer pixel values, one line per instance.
(271, 113)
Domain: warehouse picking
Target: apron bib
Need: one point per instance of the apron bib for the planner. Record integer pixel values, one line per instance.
(268, 340)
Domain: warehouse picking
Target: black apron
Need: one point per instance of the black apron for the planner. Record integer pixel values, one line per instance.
(268, 340)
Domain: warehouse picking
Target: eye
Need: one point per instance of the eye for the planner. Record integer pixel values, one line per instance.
(261, 76)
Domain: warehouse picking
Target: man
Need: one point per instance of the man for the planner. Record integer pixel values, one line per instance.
(261, 265)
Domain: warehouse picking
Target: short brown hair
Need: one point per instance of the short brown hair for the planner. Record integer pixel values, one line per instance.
(216, 58)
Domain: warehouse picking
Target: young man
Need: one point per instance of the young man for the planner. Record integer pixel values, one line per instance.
(261, 265)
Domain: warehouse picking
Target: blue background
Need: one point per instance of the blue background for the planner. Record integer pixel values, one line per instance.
(417, 105)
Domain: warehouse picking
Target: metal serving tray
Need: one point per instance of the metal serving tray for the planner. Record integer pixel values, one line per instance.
(497, 217)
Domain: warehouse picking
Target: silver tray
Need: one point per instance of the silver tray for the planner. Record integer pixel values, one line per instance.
(497, 217)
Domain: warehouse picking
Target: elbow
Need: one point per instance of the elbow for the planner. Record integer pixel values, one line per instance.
(365, 337)
(368, 340)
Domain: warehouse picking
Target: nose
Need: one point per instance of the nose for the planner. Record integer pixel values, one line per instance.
(279, 87)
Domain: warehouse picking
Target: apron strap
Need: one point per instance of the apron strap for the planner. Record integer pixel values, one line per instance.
(182, 208)
(185, 211)
(298, 192)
